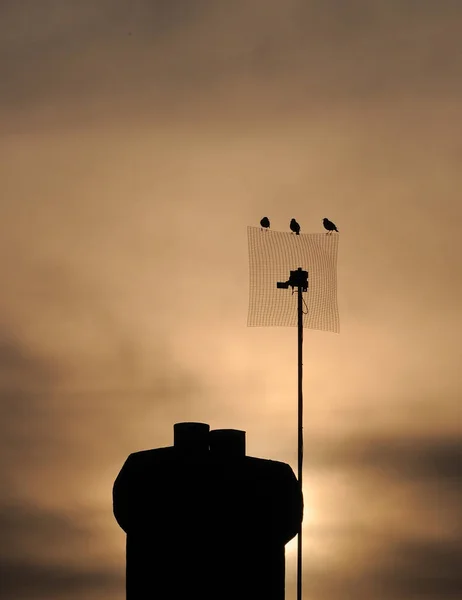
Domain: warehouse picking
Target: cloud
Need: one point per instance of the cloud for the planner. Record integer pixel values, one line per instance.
(404, 569)
(384, 516)
(253, 56)
(22, 579)
(26, 527)
(47, 554)
(420, 569)
(414, 456)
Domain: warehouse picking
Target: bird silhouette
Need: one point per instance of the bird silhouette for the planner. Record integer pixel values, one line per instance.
(295, 227)
(265, 222)
(329, 225)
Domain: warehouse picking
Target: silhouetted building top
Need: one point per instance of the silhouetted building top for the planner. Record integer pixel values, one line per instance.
(202, 519)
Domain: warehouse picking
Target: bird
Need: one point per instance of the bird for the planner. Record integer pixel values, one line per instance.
(295, 227)
(265, 222)
(329, 225)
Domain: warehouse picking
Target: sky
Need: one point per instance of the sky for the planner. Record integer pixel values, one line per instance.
(138, 141)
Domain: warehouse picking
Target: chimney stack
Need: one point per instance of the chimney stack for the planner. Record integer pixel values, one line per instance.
(191, 438)
(227, 443)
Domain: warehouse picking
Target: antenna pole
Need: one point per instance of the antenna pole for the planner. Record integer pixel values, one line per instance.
(300, 432)
(299, 279)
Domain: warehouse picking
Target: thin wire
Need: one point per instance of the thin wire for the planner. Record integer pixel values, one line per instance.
(305, 312)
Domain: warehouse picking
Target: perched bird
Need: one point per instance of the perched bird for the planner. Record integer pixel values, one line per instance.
(265, 222)
(329, 225)
(295, 227)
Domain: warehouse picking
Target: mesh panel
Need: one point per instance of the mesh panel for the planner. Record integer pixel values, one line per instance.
(272, 255)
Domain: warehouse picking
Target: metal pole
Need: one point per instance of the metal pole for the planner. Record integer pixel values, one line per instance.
(300, 434)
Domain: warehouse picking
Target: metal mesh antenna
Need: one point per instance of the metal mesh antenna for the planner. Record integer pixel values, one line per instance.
(272, 255)
(279, 260)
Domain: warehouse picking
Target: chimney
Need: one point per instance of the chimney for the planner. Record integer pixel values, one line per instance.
(191, 438)
(227, 443)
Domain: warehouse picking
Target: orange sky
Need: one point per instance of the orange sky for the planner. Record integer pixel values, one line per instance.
(138, 141)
